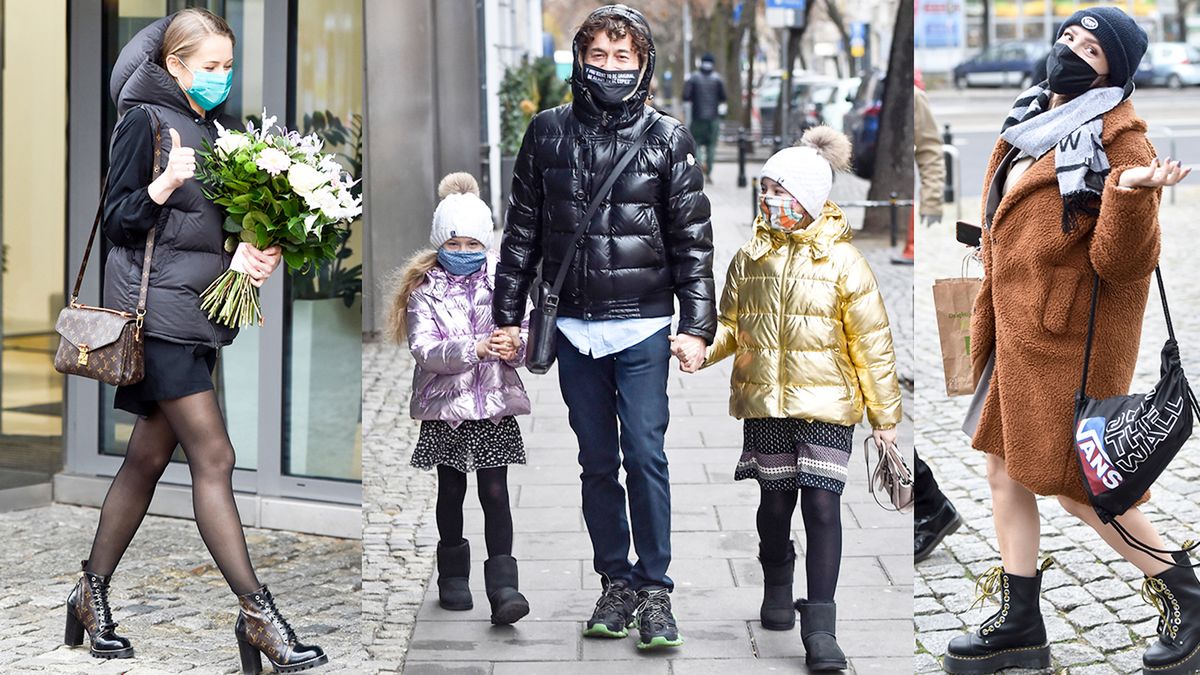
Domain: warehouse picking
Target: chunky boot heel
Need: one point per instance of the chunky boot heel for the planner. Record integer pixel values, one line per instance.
(74, 633)
(1175, 594)
(454, 573)
(1013, 637)
(778, 612)
(261, 629)
(88, 610)
(251, 659)
(500, 578)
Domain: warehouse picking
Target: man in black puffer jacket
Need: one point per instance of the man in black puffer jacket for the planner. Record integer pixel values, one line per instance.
(649, 243)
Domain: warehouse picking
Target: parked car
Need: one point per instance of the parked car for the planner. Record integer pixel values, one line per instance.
(1006, 64)
(1171, 64)
(861, 123)
(767, 96)
(828, 103)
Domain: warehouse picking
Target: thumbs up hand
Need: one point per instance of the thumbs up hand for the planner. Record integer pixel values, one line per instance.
(181, 165)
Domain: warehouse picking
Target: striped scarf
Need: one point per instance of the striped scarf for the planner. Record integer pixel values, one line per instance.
(1075, 127)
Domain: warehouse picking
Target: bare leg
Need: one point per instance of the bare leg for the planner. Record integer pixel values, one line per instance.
(146, 457)
(197, 421)
(1136, 523)
(1015, 512)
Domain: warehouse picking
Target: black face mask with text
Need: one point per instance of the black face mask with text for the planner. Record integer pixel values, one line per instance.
(1068, 74)
(609, 87)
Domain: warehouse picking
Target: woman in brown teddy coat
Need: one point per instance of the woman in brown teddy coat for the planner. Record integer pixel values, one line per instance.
(1073, 188)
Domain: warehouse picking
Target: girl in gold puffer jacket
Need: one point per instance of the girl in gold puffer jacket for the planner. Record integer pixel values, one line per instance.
(804, 320)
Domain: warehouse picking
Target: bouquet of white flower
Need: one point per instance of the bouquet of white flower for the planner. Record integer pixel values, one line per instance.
(277, 190)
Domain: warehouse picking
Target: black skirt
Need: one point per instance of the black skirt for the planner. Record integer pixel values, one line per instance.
(789, 454)
(172, 371)
(472, 445)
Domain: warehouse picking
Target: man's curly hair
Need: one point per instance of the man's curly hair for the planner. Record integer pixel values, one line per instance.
(616, 27)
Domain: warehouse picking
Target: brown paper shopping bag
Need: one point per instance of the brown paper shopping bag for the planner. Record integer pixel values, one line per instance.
(953, 300)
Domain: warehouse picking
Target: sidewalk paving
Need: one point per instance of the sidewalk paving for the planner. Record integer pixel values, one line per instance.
(718, 580)
(167, 594)
(1095, 618)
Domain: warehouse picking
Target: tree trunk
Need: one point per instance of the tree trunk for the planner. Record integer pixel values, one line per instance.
(750, 20)
(893, 171)
(839, 22)
(987, 23)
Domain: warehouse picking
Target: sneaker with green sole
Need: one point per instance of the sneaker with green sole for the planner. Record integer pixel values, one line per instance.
(655, 622)
(613, 616)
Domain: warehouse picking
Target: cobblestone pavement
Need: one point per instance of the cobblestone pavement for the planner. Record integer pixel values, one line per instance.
(718, 579)
(1096, 620)
(168, 595)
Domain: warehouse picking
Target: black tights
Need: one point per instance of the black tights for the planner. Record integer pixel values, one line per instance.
(195, 422)
(493, 497)
(821, 510)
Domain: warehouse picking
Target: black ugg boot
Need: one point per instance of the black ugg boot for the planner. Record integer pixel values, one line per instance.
(1013, 637)
(818, 622)
(1175, 593)
(87, 609)
(454, 575)
(500, 579)
(261, 629)
(778, 611)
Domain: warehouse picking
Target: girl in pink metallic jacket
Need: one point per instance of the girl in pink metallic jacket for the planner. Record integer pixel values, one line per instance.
(466, 392)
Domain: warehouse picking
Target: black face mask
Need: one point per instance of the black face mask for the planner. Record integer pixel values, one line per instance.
(1068, 74)
(609, 87)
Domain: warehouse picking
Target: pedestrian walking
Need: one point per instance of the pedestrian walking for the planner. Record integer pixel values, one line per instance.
(705, 90)
(803, 316)
(169, 85)
(466, 392)
(1073, 189)
(648, 244)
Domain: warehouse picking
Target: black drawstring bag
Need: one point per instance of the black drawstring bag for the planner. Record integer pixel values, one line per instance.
(1124, 443)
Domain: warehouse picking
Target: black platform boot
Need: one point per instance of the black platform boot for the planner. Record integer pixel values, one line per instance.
(818, 632)
(778, 611)
(454, 575)
(87, 609)
(500, 579)
(1013, 637)
(261, 629)
(1175, 593)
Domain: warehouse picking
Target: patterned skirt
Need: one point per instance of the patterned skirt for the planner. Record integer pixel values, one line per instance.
(474, 444)
(788, 454)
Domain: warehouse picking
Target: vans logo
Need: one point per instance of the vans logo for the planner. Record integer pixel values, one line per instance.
(1089, 22)
(1098, 469)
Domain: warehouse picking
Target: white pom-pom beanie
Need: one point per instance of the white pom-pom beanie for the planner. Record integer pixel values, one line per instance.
(461, 212)
(806, 170)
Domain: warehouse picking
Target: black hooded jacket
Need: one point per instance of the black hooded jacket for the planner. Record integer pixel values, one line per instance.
(189, 245)
(650, 241)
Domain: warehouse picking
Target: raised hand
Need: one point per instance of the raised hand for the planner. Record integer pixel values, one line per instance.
(181, 165)
(1160, 173)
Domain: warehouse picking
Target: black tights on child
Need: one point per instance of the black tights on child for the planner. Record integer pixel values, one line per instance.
(493, 497)
(821, 510)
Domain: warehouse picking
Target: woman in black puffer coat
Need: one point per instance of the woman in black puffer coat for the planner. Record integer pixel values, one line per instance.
(169, 84)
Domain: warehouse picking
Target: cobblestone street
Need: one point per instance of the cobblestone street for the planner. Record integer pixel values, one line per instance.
(168, 595)
(718, 579)
(1097, 622)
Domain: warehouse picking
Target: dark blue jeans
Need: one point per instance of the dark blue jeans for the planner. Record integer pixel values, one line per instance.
(618, 410)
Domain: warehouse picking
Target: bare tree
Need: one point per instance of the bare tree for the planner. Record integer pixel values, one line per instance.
(893, 170)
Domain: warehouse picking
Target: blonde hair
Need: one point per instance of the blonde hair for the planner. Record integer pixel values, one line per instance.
(188, 28)
(404, 280)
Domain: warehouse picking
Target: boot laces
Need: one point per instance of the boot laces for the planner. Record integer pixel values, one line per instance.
(655, 610)
(1156, 594)
(98, 589)
(990, 583)
(267, 602)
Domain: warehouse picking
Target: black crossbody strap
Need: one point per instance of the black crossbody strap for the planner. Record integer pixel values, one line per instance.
(551, 300)
(1087, 351)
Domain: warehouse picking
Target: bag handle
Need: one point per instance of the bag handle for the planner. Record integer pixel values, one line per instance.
(1087, 351)
(883, 452)
(550, 299)
(143, 291)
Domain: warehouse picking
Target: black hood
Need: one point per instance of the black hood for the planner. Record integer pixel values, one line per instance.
(631, 109)
(139, 78)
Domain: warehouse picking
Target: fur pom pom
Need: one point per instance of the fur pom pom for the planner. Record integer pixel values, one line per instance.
(832, 145)
(458, 183)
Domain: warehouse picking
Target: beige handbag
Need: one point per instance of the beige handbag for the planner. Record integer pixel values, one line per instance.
(891, 476)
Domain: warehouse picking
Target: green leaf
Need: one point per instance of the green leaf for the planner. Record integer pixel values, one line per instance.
(293, 259)
(231, 225)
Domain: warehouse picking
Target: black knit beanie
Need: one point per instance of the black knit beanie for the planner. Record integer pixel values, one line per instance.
(1123, 41)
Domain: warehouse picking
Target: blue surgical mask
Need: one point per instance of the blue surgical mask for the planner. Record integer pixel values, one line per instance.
(461, 263)
(209, 89)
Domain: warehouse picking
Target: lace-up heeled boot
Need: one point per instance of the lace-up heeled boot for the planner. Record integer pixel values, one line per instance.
(1175, 593)
(87, 609)
(261, 629)
(1013, 637)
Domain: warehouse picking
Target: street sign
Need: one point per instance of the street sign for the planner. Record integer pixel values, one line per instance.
(858, 39)
(786, 13)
